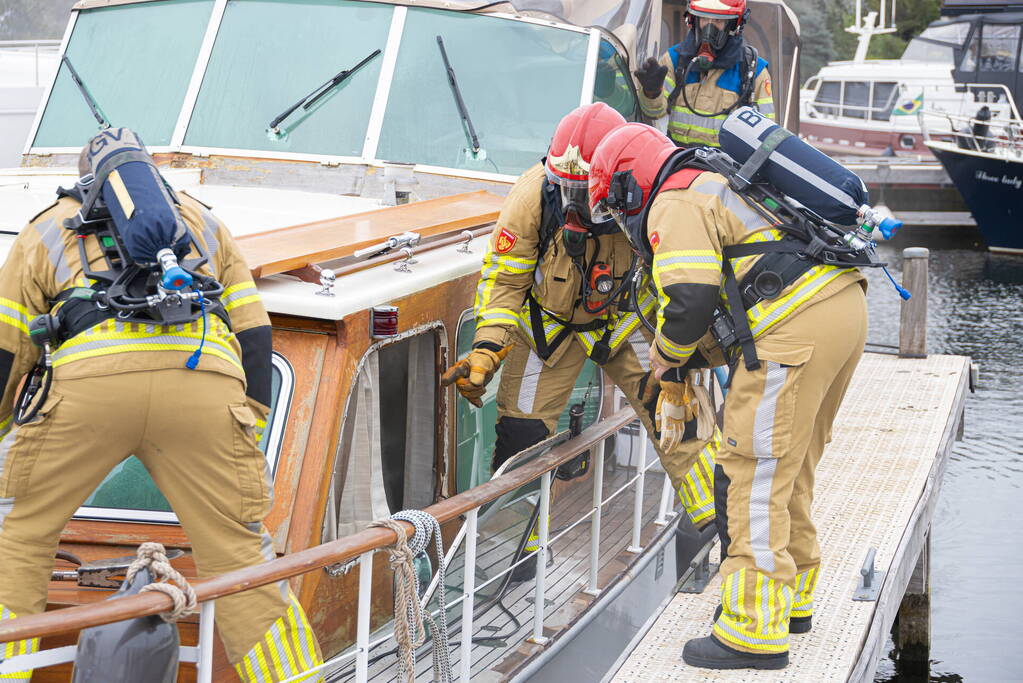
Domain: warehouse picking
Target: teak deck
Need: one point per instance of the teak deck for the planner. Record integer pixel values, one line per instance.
(284, 249)
(876, 487)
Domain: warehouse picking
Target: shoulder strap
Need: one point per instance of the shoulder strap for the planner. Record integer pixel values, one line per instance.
(551, 216)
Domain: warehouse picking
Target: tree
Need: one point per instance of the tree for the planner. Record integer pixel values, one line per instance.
(28, 20)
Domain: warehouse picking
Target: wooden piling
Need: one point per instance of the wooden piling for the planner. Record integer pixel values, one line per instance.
(912, 632)
(913, 319)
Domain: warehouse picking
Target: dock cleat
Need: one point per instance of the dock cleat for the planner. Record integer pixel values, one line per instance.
(709, 653)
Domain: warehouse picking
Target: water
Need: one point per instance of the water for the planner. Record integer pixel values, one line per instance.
(975, 308)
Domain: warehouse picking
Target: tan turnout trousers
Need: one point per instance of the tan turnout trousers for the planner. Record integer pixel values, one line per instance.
(533, 390)
(193, 431)
(777, 421)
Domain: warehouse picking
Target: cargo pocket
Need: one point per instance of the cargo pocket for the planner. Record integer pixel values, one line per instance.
(25, 444)
(250, 464)
(558, 287)
(761, 404)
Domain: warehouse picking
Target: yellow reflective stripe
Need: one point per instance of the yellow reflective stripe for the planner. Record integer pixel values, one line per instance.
(5, 425)
(767, 631)
(245, 284)
(15, 648)
(230, 306)
(766, 314)
(14, 314)
(245, 671)
(260, 660)
(296, 638)
(306, 630)
(497, 316)
(673, 349)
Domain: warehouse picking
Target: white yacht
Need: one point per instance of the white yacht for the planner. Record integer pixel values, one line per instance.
(869, 107)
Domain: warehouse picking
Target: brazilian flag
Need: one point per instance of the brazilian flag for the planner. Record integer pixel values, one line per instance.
(910, 106)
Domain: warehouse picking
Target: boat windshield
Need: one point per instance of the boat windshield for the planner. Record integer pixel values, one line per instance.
(937, 43)
(190, 79)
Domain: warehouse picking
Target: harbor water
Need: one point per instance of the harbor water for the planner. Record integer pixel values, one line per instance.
(975, 308)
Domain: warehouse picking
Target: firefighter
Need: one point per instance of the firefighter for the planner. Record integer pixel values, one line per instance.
(548, 299)
(786, 385)
(121, 389)
(720, 71)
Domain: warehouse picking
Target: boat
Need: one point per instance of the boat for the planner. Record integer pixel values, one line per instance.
(868, 107)
(984, 158)
(26, 66)
(364, 219)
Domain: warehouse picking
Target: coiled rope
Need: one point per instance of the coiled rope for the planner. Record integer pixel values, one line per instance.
(410, 632)
(166, 580)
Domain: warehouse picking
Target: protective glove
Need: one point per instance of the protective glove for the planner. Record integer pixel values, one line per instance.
(679, 403)
(651, 76)
(471, 374)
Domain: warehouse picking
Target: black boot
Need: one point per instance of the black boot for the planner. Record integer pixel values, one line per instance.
(797, 625)
(709, 653)
(801, 624)
(527, 570)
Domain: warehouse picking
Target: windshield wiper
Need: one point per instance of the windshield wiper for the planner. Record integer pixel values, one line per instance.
(89, 99)
(462, 111)
(319, 92)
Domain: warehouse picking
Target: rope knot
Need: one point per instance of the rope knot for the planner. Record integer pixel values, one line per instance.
(410, 631)
(166, 580)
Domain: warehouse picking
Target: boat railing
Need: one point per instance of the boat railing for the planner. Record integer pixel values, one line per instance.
(358, 550)
(834, 110)
(997, 135)
(38, 48)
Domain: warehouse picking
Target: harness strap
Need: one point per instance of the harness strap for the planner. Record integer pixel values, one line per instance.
(737, 311)
(760, 155)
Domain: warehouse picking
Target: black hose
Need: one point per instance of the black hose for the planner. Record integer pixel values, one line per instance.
(634, 300)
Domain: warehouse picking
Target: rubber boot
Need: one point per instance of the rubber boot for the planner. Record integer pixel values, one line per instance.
(527, 570)
(797, 625)
(709, 653)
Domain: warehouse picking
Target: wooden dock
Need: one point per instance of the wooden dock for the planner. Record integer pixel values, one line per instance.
(877, 485)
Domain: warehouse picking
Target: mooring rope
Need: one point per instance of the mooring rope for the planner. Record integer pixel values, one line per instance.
(166, 580)
(410, 631)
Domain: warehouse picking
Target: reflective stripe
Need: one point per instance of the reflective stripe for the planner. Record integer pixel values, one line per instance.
(802, 600)
(209, 235)
(760, 513)
(239, 294)
(285, 650)
(14, 314)
(759, 620)
(763, 419)
(530, 378)
(672, 350)
(766, 314)
(697, 490)
(766, 107)
(52, 236)
(732, 202)
(5, 426)
(110, 337)
(498, 316)
(15, 648)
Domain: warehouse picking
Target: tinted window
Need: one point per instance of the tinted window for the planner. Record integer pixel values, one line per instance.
(855, 99)
(830, 92)
(612, 84)
(474, 427)
(998, 48)
(137, 61)
(882, 101)
(260, 67)
(969, 61)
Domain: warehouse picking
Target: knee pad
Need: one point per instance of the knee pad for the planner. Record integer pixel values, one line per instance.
(515, 434)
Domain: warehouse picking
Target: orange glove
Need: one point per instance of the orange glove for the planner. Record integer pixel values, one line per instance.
(472, 374)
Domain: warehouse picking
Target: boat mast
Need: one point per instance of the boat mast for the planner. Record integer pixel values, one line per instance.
(865, 27)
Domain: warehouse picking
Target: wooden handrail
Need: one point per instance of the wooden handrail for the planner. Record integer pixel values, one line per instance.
(342, 550)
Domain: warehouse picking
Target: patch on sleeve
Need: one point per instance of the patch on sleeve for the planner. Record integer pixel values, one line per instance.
(505, 241)
(655, 240)
(767, 86)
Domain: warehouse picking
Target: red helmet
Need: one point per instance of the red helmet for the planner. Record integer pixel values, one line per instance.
(571, 151)
(623, 170)
(717, 9)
